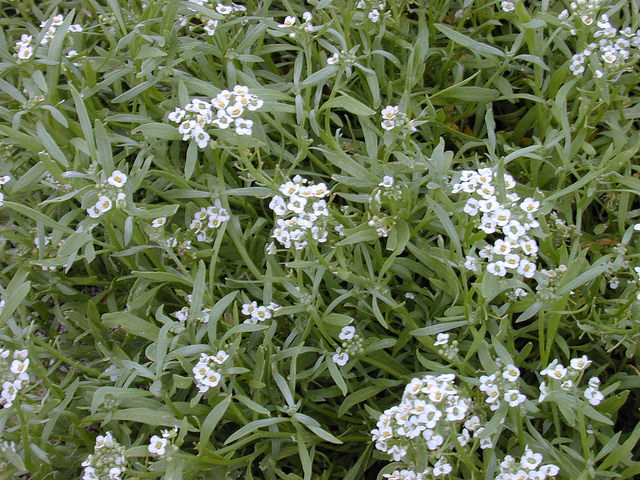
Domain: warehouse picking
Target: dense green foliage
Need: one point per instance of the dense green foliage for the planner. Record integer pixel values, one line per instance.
(133, 303)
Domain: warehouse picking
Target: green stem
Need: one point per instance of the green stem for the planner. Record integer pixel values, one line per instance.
(64, 358)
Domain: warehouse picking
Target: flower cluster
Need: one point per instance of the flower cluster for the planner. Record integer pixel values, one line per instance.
(204, 373)
(6, 446)
(3, 179)
(373, 8)
(56, 21)
(566, 379)
(207, 220)
(224, 111)
(351, 345)
(528, 467)
(258, 313)
(583, 11)
(386, 194)
(394, 119)
(107, 461)
(24, 49)
(301, 212)
(515, 252)
(448, 350)
(290, 23)
(209, 25)
(426, 420)
(610, 53)
(343, 58)
(549, 282)
(13, 374)
(183, 314)
(161, 445)
(502, 386)
(112, 193)
(507, 6)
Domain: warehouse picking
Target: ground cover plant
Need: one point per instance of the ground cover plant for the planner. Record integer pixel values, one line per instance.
(319, 240)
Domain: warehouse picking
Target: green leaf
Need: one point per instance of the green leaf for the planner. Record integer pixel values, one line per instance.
(147, 416)
(348, 103)
(212, 420)
(334, 371)
(320, 76)
(313, 425)
(366, 235)
(252, 426)
(135, 91)
(131, 324)
(473, 45)
(158, 130)
(432, 330)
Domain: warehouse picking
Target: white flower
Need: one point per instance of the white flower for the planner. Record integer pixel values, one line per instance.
(220, 357)
(211, 379)
(25, 52)
(254, 103)
(243, 127)
(512, 260)
(296, 203)
(157, 445)
(471, 263)
(594, 396)
(507, 6)
(117, 179)
(486, 443)
(580, 363)
(441, 339)
(609, 56)
(374, 15)
(289, 21)
(549, 470)
(501, 247)
(114, 473)
(94, 211)
(388, 124)
(502, 216)
(529, 247)
(333, 59)
(511, 373)
(387, 181)
(555, 370)
(526, 268)
(530, 205)
(224, 9)
(177, 115)
(234, 111)
(159, 222)
(340, 359)
(389, 112)
(201, 137)
(497, 269)
(441, 468)
(104, 204)
(514, 230)
(473, 423)
(19, 366)
(471, 207)
(278, 205)
(210, 27)
(514, 398)
(347, 333)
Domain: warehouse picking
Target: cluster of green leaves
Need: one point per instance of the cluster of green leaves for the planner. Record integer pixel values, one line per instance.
(94, 307)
